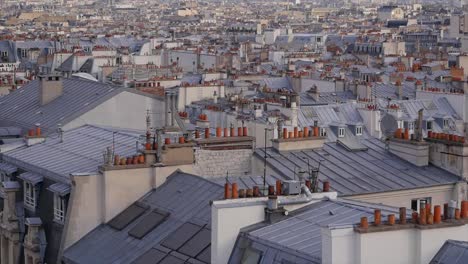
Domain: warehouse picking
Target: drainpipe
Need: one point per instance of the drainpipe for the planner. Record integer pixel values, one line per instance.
(167, 102)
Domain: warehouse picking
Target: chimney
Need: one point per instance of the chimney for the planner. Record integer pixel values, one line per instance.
(32, 241)
(50, 88)
(399, 89)
(10, 188)
(293, 114)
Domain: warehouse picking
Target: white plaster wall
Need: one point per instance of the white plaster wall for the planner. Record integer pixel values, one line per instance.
(336, 247)
(85, 208)
(226, 224)
(430, 241)
(125, 110)
(386, 247)
(187, 95)
(123, 187)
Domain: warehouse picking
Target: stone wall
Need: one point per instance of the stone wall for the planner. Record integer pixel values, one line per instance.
(215, 163)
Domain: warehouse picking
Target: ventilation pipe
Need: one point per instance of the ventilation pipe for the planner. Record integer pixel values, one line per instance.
(304, 197)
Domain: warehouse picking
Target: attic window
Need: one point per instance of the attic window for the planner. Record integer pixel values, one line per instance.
(341, 132)
(429, 125)
(358, 130)
(446, 123)
(323, 132)
(4, 54)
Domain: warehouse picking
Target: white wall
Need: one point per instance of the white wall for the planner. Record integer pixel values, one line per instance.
(125, 110)
(342, 245)
(85, 207)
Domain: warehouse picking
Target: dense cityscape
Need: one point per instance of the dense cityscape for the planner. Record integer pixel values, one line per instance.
(224, 131)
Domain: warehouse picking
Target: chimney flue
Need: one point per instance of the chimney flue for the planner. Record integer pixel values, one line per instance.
(403, 215)
(50, 88)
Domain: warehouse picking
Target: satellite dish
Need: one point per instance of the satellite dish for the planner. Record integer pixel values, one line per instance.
(388, 125)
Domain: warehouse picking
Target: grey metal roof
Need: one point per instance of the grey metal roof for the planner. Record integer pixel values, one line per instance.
(80, 152)
(299, 235)
(7, 168)
(452, 252)
(186, 197)
(31, 177)
(10, 131)
(23, 109)
(374, 170)
(60, 188)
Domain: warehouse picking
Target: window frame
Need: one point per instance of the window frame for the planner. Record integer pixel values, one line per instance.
(419, 201)
(429, 125)
(59, 208)
(341, 132)
(446, 122)
(29, 195)
(323, 131)
(358, 130)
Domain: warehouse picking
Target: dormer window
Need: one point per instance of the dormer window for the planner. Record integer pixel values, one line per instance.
(411, 126)
(358, 130)
(59, 208)
(446, 123)
(4, 54)
(429, 125)
(400, 124)
(323, 132)
(30, 195)
(341, 132)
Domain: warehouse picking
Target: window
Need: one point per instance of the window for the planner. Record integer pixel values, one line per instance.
(59, 208)
(416, 204)
(4, 54)
(411, 125)
(24, 53)
(341, 132)
(429, 125)
(323, 132)
(30, 195)
(446, 123)
(400, 124)
(358, 130)
(4, 177)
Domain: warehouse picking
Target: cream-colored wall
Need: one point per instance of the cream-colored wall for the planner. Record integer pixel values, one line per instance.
(190, 94)
(439, 194)
(85, 207)
(125, 110)
(124, 187)
(226, 225)
(342, 245)
(370, 250)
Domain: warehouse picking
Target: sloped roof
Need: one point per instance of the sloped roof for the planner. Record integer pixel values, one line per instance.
(22, 107)
(298, 238)
(80, 152)
(186, 197)
(350, 173)
(452, 252)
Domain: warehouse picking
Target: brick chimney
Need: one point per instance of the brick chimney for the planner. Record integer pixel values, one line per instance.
(50, 87)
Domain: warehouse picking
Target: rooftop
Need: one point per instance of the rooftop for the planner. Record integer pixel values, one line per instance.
(358, 172)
